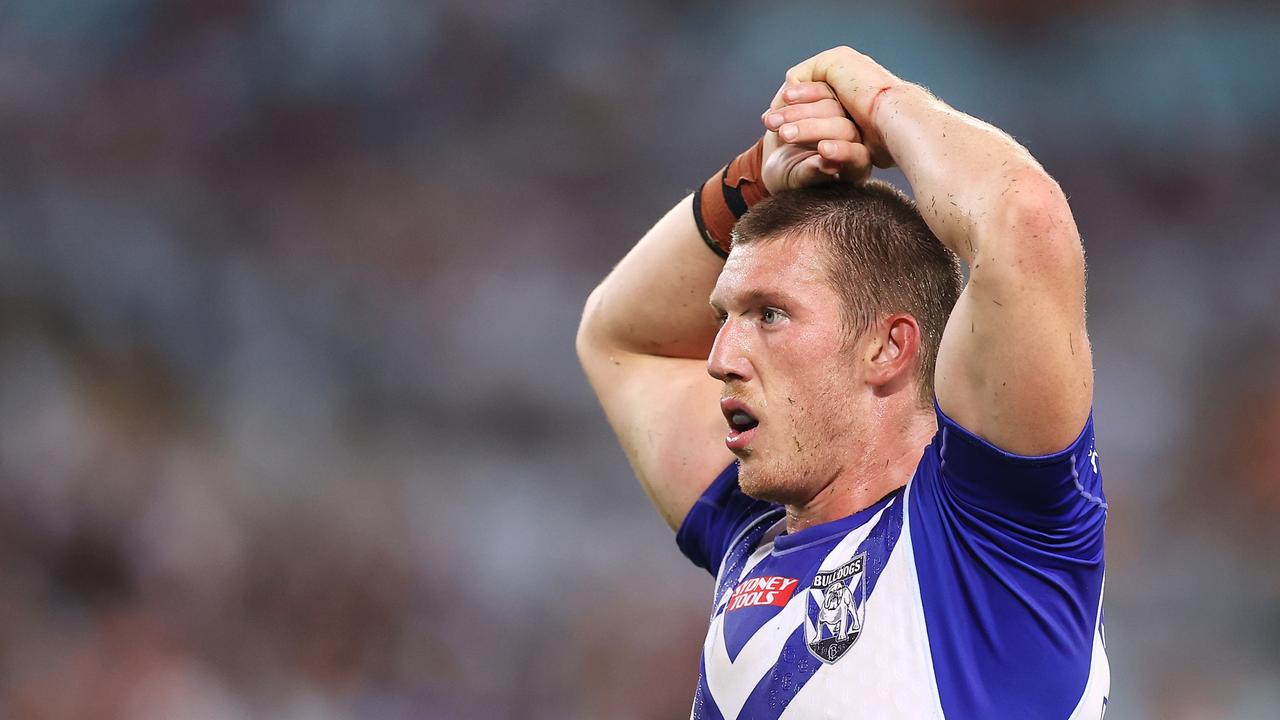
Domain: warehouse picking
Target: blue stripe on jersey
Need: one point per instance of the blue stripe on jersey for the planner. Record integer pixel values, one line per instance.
(739, 554)
(796, 665)
(1009, 556)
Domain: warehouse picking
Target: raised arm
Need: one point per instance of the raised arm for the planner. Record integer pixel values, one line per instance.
(1015, 364)
(643, 341)
(647, 329)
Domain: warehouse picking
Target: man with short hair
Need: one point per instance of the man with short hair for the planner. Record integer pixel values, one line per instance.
(905, 518)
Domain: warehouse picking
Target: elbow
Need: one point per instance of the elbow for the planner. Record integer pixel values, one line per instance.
(586, 342)
(1042, 232)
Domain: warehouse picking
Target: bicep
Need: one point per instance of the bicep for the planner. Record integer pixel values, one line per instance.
(666, 416)
(1015, 365)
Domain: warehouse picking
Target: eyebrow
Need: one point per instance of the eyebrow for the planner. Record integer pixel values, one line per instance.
(759, 297)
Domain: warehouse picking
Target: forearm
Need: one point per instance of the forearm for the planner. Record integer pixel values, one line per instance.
(655, 301)
(976, 187)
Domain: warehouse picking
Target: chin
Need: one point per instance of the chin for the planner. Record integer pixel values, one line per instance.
(762, 481)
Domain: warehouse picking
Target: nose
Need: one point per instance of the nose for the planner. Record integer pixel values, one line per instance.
(729, 354)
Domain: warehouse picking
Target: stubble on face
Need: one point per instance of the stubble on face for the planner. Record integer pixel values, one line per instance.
(803, 451)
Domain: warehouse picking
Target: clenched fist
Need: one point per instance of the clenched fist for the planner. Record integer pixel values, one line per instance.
(858, 82)
(801, 116)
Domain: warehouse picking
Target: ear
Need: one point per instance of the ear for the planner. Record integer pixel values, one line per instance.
(890, 358)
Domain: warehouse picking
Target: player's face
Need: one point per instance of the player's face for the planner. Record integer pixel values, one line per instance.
(792, 381)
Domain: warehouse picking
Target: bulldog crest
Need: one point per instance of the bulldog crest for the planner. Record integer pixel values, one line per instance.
(834, 609)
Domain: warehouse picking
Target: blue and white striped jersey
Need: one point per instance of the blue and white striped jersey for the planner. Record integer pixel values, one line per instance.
(973, 592)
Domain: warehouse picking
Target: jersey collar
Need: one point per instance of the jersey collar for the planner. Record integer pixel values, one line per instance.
(815, 534)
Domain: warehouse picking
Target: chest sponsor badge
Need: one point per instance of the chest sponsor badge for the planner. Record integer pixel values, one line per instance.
(834, 609)
(770, 590)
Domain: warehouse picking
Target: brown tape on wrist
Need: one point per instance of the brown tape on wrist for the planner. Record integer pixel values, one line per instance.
(726, 196)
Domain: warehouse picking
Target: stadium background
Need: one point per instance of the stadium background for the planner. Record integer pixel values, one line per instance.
(290, 420)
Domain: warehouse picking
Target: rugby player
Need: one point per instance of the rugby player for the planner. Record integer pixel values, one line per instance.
(890, 472)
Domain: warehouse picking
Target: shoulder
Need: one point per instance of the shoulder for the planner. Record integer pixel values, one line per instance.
(1040, 491)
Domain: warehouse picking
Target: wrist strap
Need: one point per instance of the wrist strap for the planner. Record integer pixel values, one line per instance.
(726, 196)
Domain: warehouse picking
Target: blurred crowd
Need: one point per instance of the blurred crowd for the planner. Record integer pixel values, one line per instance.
(290, 420)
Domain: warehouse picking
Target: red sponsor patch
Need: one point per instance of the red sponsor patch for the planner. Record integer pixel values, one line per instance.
(770, 590)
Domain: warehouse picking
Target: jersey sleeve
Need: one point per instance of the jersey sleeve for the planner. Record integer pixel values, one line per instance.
(1010, 560)
(718, 517)
(1061, 492)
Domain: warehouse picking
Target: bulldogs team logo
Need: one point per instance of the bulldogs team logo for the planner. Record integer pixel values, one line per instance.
(834, 609)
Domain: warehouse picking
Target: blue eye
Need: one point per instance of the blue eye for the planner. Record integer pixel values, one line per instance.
(769, 316)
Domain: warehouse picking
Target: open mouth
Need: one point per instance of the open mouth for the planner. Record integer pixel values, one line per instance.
(742, 424)
(741, 421)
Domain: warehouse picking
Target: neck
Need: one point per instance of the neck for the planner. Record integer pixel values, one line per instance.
(885, 462)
